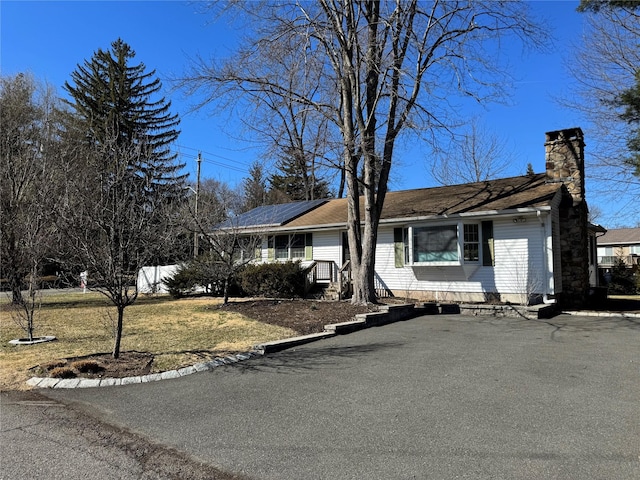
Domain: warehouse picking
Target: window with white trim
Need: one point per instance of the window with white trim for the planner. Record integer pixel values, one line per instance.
(452, 244)
(287, 247)
(471, 243)
(434, 244)
(296, 246)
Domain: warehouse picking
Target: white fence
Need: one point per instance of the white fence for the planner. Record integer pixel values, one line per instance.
(151, 279)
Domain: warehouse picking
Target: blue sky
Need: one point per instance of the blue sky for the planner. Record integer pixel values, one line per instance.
(49, 39)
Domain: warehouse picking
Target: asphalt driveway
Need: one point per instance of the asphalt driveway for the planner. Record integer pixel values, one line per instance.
(433, 397)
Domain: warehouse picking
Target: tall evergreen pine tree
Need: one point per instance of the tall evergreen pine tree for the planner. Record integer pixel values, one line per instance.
(630, 100)
(296, 180)
(115, 101)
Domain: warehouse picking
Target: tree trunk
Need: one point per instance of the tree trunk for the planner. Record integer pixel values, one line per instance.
(225, 293)
(361, 248)
(363, 284)
(16, 295)
(118, 339)
(30, 303)
(16, 284)
(30, 325)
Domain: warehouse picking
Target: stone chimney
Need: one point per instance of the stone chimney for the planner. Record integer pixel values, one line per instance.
(564, 155)
(564, 151)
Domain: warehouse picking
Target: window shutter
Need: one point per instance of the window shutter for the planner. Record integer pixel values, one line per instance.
(398, 247)
(271, 250)
(488, 252)
(308, 246)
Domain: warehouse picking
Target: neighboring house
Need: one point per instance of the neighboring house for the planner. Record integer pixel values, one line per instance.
(619, 243)
(518, 239)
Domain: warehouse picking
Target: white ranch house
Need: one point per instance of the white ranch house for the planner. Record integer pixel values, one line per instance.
(518, 239)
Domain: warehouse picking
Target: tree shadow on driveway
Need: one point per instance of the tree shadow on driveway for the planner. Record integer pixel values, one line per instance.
(566, 323)
(311, 357)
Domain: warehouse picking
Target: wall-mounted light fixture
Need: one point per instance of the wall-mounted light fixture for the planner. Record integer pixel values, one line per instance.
(519, 220)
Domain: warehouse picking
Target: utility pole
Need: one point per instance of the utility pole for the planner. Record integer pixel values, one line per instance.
(196, 233)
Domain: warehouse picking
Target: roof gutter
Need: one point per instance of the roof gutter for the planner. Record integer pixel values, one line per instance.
(486, 213)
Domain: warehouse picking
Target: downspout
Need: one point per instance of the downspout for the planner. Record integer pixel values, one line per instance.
(545, 296)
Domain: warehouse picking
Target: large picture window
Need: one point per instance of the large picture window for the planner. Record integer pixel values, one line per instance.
(444, 244)
(435, 244)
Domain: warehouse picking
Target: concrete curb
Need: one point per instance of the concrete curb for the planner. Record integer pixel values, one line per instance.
(602, 314)
(46, 382)
(278, 345)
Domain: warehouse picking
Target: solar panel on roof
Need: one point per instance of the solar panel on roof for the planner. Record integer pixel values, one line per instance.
(271, 215)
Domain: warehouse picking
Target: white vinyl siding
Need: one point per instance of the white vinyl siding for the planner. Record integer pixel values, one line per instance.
(326, 246)
(518, 261)
(432, 278)
(519, 264)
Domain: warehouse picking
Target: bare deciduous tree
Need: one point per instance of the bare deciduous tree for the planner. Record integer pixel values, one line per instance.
(476, 156)
(113, 222)
(227, 247)
(28, 185)
(603, 66)
(385, 68)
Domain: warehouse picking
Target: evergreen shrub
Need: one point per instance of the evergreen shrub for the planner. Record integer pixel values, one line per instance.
(183, 282)
(623, 281)
(203, 272)
(277, 279)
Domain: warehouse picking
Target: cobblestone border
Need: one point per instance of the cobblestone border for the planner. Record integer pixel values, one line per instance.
(46, 382)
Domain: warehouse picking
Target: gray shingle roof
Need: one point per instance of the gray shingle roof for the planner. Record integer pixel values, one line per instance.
(620, 236)
(493, 195)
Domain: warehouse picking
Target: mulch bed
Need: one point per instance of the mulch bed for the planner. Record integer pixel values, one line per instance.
(99, 365)
(303, 316)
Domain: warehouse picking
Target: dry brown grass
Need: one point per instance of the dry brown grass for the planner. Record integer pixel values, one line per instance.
(177, 332)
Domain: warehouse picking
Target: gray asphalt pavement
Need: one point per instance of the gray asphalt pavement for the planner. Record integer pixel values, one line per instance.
(45, 439)
(40, 439)
(437, 397)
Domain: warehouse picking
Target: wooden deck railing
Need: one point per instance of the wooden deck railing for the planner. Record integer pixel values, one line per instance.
(325, 271)
(320, 271)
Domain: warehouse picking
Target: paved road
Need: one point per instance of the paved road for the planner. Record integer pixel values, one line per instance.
(434, 397)
(48, 440)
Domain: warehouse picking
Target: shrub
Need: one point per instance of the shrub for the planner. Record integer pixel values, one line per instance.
(206, 272)
(54, 364)
(622, 279)
(278, 279)
(87, 366)
(183, 282)
(62, 372)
